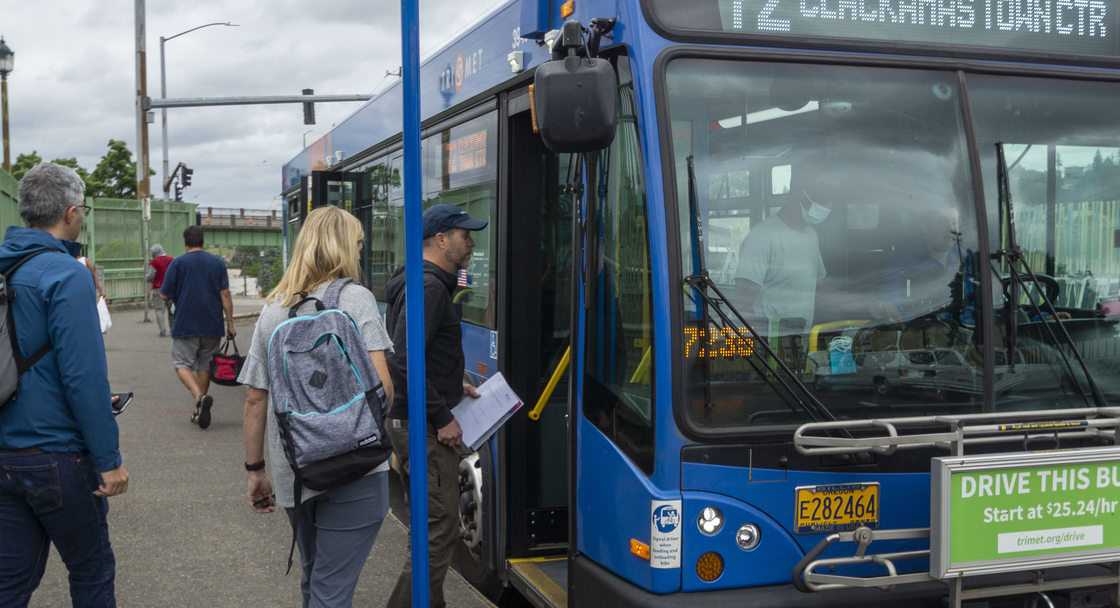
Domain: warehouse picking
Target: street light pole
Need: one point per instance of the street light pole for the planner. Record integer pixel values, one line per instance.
(143, 183)
(163, 95)
(7, 64)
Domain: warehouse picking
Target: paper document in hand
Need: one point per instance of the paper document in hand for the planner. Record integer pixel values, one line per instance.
(480, 416)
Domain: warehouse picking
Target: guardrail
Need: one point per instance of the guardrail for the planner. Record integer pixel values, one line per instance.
(238, 219)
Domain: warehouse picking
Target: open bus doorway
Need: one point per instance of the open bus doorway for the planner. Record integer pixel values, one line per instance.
(524, 473)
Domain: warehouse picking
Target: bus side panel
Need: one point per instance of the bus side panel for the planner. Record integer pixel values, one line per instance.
(614, 500)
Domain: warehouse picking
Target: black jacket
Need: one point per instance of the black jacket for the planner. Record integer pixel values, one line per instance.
(443, 340)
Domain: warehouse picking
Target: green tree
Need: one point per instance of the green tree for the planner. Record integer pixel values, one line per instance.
(73, 164)
(115, 175)
(24, 162)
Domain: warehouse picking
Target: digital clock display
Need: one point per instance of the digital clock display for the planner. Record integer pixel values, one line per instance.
(717, 342)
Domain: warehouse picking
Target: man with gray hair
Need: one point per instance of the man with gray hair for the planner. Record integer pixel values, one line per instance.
(58, 440)
(153, 274)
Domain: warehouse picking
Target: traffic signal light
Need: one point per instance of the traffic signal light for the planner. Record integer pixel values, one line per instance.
(187, 173)
(308, 108)
(178, 191)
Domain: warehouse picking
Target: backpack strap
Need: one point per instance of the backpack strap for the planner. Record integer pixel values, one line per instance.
(297, 491)
(23, 364)
(330, 299)
(20, 262)
(293, 311)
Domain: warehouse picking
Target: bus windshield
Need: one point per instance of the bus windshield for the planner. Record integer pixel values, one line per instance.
(835, 209)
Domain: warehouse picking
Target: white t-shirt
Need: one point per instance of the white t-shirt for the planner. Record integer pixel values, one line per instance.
(362, 307)
(787, 264)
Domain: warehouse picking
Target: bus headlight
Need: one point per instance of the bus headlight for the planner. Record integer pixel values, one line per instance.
(747, 537)
(710, 521)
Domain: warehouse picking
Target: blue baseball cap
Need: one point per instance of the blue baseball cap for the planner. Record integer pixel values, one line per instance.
(441, 218)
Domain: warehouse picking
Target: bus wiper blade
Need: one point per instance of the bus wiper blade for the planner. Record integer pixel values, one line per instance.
(794, 388)
(1012, 254)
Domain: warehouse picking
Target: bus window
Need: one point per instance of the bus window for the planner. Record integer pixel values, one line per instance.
(1063, 166)
(618, 397)
(382, 225)
(460, 168)
(849, 257)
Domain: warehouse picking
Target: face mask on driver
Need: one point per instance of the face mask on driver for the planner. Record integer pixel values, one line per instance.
(816, 213)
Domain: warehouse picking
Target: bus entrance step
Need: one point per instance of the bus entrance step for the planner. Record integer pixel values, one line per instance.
(543, 581)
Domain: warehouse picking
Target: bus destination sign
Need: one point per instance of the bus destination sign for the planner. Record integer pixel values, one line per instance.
(1080, 27)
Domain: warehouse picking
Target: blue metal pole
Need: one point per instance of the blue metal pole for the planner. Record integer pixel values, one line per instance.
(414, 296)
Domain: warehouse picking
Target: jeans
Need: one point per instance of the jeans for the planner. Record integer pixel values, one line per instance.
(48, 497)
(335, 532)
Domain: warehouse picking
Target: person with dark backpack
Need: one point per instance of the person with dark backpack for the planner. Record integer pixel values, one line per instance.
(59, 449)
(318, 387)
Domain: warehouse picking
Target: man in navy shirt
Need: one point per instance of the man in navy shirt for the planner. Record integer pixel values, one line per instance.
(59, 448)
(198, 285)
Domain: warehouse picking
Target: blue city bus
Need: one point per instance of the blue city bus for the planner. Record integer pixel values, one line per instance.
(831, 244)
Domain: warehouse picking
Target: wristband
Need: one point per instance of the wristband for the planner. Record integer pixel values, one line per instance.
(256, 466)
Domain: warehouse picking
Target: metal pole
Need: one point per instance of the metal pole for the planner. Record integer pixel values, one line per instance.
(414, 296)
(163, 95)
(163, 119)
(4, 111)
(143, 184)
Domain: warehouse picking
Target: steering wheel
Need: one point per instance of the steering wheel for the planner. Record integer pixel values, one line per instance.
(1048, 284)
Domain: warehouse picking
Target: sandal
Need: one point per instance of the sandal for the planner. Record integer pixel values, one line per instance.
(194, 417)
(205, 402)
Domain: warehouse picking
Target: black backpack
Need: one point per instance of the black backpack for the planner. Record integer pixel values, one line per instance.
(12, 363)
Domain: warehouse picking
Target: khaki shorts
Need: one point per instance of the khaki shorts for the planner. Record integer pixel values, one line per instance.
(194, 353)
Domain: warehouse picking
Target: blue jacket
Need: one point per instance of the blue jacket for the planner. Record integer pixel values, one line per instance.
(63, 404)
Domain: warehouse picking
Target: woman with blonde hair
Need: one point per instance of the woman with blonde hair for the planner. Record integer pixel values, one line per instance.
(335, 529)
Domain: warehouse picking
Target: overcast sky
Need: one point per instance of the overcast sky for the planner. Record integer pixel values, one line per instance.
(73, 87)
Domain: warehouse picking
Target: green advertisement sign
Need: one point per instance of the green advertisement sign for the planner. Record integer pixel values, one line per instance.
(1022, 511)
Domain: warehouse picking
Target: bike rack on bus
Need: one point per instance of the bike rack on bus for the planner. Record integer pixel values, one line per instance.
(951, 433)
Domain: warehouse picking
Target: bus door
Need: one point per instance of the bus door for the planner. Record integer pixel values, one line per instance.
(535, 330)
(337, 188)
(349, 190)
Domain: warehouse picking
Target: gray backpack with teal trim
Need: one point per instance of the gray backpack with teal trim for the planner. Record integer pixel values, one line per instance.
(328, 399)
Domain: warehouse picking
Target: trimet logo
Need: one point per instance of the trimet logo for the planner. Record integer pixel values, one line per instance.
(465, 67)
(667, 518)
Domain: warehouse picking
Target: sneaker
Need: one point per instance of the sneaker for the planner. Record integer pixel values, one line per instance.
(205, 402)
(162, 335)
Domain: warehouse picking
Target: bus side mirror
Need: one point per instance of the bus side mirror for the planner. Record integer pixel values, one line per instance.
(575, 104)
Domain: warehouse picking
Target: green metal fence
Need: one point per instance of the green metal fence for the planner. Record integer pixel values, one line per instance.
(9, 212)
(114, 230)
(112, 236)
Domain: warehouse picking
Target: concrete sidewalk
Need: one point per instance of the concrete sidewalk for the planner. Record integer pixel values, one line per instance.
(184, 534)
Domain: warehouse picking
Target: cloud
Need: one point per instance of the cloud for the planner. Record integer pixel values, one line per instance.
(74, 84)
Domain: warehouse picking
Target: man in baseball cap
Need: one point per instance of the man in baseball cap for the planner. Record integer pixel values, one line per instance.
(442, 218)
(447, 250)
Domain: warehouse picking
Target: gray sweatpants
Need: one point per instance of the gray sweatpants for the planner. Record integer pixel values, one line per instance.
(335, 532)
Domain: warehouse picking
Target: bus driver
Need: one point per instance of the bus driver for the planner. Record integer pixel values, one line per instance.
(780, 259)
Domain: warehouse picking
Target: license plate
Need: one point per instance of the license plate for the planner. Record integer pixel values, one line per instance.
(836, 508)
